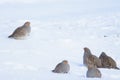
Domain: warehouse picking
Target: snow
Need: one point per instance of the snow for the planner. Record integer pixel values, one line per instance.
(59, 32)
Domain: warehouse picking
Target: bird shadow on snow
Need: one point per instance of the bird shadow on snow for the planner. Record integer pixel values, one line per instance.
(77, 64)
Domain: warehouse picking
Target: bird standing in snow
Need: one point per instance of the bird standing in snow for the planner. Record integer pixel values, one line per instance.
(107, 61)
(88, 53)
(92, 71)
(21, 32)
(62, 67)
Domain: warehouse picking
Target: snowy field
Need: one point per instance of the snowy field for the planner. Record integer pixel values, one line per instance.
(60, 31)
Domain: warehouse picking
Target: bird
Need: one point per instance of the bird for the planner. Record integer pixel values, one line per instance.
(21, 32)
(88, 53)
(93, 71)
(62, 67)
(107, 61)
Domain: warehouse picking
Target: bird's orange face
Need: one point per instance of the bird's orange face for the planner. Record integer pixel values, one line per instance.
(65, 62)
(27, 24)
(85, 49)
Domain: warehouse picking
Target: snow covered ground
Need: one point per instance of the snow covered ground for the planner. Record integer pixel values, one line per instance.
(60, 31)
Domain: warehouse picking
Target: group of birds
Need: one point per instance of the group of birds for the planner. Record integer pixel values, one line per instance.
(91, 61)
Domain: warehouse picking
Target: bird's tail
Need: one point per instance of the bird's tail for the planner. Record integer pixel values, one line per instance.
(117, 68)
(53, 70)
(10, 36)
